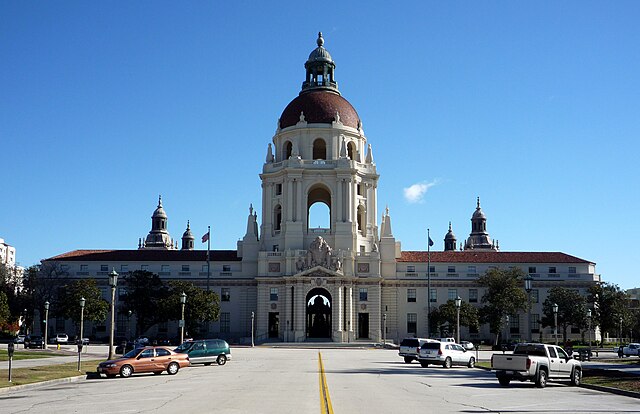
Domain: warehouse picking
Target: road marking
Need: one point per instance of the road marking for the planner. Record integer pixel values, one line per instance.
(325, 400)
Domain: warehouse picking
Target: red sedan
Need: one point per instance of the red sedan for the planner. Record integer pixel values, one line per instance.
(154, 359)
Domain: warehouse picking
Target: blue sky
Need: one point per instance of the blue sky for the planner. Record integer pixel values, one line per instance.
(533, 106)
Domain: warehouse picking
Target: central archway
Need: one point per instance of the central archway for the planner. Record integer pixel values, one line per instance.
(318, 320)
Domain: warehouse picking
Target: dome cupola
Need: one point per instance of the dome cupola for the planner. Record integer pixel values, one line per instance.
(320, 69)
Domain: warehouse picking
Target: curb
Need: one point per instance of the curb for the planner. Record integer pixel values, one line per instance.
(6, 390)
(611, 390)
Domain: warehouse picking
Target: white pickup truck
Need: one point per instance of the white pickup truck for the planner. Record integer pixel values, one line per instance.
(538, 363)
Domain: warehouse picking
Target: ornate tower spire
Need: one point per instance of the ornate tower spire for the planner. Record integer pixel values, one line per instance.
(320, 70)
(479, 238)
(188, 239)
(158, 237)
(450, 240)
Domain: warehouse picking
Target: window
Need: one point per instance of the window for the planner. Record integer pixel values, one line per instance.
(226, 268)
(535, 296)
(64, 268)
(288, 149)
(572, 269)
(185, 268)
(273, 294)
(364, 295)
(164, 268)
(225, 322)
(276, 247)
(205, 268)
(412, 323)
(432, 269)
(360, 189)
(225, 294)
(552, 269)
(278, 189)
(473, 295)
(162, 352)
(124, 268)
(411, 269)
(532, 269)
(104, 268)
(122, 293)
(451, 269)
(277, 218)
(535, 322)
(514, 324)
(144, 267)
(84, 268)
(319, 149)
(411, 295)
(452, 294)
(472, 270)
(433, 295)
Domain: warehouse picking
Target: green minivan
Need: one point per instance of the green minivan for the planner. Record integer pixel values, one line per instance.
(206, 351)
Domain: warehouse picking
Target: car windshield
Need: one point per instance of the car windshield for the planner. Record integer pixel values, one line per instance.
(431, 345)
(132, 354)
(533, 350)
(184, 347)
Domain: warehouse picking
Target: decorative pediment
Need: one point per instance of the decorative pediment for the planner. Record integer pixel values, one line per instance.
(319, 271)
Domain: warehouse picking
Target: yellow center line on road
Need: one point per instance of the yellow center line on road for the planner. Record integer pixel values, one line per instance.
(325, 400)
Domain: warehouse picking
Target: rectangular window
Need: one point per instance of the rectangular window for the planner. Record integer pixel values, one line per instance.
(411, 269)
(532, 269)
(226, 268)
(122, 293)
(535, 322)
(411, 295)
(225, 294)
(360, 193)
(185, 268)
(471, 269)
(276, 247)
(205, 268)
(164, 268)
(104, 268)
(144, 267)
(452, 294)
(412, 323)
(572, 269)
(432, 269)
(473, 295)
(64, 268)
(84, 268)
(514, 324)
(278, 189)
(552, 269)
(535, 296)
(451, 269)
(273, 294)
(433, 295)
(225, 322)
(124, 268)
(364, 295)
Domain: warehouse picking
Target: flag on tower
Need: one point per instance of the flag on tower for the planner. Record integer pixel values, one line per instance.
(430, 242)
(206, 237)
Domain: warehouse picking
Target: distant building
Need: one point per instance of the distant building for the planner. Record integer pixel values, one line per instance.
(346, 282)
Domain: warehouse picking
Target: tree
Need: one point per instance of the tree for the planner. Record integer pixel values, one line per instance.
(610, 304)
(146, 296)
(447, 315)
(95, 308)
(201, 306)
(571, 309)
(504, 295)
(10, 285)
(5, 314)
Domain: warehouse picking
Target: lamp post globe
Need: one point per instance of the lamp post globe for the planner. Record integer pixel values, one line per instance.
(113, 282)
(528, 280)
(555, 321)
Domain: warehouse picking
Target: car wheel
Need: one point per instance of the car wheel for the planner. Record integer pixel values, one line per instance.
(424, 364)
(407, 360)
(576, 377)
(173, 368)
(126, 371)
(447, 363)
(541, 379)
(222, 359)
(504, 380)
(472, 362)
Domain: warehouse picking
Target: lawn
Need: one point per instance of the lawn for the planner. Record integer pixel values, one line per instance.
(612, 379)
(22, 376)
(24, 354)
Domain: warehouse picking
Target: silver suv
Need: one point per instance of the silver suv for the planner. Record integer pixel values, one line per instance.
(446, 354)
(410, 347)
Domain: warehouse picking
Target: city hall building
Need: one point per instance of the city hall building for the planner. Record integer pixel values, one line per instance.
(344, 283)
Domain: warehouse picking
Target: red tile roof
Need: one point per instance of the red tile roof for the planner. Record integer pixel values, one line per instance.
(468, 256)
(148, 255)
(319, 107)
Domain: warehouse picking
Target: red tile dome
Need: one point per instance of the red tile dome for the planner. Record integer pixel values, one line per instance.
(319, 107)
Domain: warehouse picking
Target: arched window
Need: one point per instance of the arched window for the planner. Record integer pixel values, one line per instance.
(277, 218)
(362, 219)
(288, 148)
(351, 150)
(319, 149)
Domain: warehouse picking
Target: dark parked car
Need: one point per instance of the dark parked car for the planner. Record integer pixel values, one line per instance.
(34, 342)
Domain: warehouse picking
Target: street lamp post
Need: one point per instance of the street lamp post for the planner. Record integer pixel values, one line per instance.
(506, 318)
(620, 335)
(129, 324)
(555, 321)
(458, 302)
(253, 315)
(589, 322)
(46, 322)
(79, 342)
(113, 282)
(527, 288)
(183, 301)
(384, 330)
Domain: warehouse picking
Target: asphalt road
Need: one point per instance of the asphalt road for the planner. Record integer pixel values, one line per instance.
(265, 380)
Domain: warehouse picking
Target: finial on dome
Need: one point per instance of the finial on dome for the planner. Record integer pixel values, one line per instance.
(188, 225)
(449, 226)
(478, 202)
(250, 209)
(320, 40)
(386, 210)
(160, 200)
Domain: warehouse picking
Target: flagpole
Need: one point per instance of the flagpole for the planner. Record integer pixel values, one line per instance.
(428, 282)
(208, 263)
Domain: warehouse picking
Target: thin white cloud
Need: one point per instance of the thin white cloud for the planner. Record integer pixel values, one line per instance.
(416, 192)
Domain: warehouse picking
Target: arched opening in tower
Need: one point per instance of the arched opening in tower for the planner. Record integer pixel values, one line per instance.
(319, 149)
(319, 210)
(287, 150)
(318, 315)
(351, 150)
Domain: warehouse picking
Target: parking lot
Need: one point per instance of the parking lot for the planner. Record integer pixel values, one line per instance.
(267, 380)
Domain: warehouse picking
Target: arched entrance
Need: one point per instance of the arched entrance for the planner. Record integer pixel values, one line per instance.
(318, 322)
